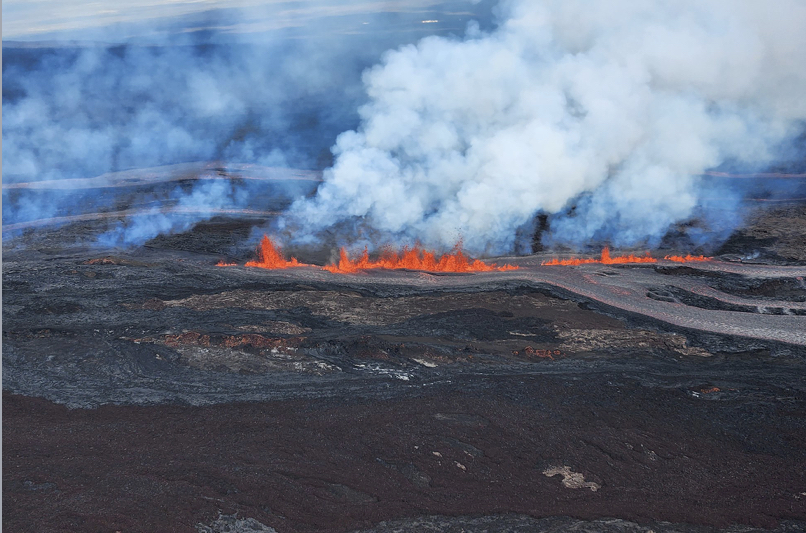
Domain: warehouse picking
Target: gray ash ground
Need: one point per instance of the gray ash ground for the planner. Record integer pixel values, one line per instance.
(149, 390)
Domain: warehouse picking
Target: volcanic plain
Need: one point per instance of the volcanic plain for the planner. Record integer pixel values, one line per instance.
(147, 389)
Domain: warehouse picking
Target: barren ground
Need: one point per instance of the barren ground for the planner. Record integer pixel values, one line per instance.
(148, 390)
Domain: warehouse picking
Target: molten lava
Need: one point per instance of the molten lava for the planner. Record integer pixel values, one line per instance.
(223, 263)
(688, 258)
(607, 259)
(270, 257)
(417, 258)
(414, 258)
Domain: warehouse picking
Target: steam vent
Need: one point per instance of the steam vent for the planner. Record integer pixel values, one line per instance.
(376, 267)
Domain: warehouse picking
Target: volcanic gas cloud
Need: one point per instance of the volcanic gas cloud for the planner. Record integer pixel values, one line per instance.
(602, 115)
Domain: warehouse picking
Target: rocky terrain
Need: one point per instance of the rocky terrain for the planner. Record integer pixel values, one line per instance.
(147, 389)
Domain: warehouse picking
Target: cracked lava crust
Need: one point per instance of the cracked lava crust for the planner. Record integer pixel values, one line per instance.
(152, 391)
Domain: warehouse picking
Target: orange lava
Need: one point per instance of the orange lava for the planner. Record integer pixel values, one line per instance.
(414, 258)
(607, 259)
(688, 258)
(223, 263)
(269, 257)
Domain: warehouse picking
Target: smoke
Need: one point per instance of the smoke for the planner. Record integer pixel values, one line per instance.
(78, 112)
(600, 115)
(266, 84)
(603, 115)
(186, 209)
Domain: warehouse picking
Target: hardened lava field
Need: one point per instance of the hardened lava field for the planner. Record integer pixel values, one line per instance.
(151, 390)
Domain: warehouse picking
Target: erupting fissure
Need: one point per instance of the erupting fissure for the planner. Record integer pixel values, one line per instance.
(268, 256)
(414, 258)
(688, 258)
(417, 258)
(607, 259)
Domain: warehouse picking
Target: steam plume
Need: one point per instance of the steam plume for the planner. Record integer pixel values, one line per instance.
(270, 84)
(187, 209)
(613, 107)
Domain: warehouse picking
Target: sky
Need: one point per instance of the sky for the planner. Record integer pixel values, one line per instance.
(55, 19)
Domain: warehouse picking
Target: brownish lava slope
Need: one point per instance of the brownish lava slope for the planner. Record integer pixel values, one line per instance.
(151, 390)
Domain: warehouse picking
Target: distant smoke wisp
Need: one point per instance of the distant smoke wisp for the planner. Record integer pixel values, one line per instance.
(613, 108)
(186, 209)
(79, 110)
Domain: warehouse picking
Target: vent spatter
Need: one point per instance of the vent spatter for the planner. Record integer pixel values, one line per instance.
(414, 258)
(607, 259)
(269, 256)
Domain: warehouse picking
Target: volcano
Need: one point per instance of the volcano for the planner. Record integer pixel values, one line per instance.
(390, 267)
(149, 389)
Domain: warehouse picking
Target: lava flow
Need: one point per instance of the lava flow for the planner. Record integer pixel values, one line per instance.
(688, 258)
(270, 257)
(607, 259)
(414, 258)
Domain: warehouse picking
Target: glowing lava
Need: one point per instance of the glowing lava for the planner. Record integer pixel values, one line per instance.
(223, 263)
(688, 258)
(417, 258)
(607, 259)
(270, 257)
(414, 258)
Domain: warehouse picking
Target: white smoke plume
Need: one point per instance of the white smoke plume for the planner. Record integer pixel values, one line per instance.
(614, 107)
(267, 83)
(186, 209)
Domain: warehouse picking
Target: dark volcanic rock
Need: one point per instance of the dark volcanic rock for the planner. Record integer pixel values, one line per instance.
(153, 391)
(473, 445)
(771, 233)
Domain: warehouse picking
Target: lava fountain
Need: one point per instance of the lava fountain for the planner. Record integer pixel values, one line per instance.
(688, 258)
(269, 256)
(607, 259)
(415, 258)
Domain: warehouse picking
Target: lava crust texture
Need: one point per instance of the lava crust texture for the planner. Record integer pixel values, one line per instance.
(154, 391)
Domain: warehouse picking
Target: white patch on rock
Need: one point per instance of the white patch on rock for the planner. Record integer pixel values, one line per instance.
(571, 480)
